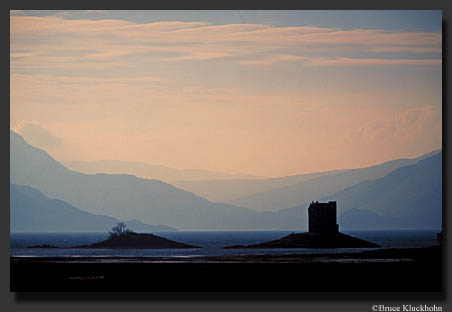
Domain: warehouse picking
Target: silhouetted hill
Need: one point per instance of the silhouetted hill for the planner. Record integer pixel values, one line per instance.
(122, 196)
(137, 241)
(320, 187)
(410, 197)
(313, 240)
(412, 193)
(128, 197)
(32, 211)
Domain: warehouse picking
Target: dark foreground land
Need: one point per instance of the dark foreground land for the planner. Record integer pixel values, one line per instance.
(385, 270)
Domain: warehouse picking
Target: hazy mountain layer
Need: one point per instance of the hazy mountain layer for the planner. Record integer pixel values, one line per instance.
(412, 193)
(319, 187)
(32, 211)
(149, 171)
(229, 190)
(408, 198)
(122, 196)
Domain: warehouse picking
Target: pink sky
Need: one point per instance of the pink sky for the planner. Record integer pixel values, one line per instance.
(238, 98)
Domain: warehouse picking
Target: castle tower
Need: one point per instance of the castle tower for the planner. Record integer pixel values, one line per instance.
(322, 217)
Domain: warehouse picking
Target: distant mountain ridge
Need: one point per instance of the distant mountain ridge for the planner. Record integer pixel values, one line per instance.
(412, 193)
(320, 187)
(149, 171)
(127, 197)
(121, 196)
(32, 211)
(409, 197)
(229, 190)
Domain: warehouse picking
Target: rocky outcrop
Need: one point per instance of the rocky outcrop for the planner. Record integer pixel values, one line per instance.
(137, 241)
(313, 240)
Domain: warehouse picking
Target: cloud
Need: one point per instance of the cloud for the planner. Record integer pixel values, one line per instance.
(38, 42)
(338, 61)
(346, 61)
(407, 126)
(198, 55)
(407, 49)
(201, 32)
(36, 135)
(274, 58)
(103, 84)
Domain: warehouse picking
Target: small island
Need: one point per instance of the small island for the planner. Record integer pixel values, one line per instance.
(323, 233)
(134, 240)
(43, 246)
(122, 238)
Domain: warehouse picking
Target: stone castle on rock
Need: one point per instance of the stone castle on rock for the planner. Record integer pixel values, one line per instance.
(322, 217)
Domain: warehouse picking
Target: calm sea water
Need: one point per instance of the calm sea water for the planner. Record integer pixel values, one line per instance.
(212, 243)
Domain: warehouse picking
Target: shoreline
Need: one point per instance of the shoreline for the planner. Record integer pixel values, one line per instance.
(409, 269)
(376, 255)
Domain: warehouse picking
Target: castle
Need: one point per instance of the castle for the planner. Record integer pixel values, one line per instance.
(322, 217)
(323, 232)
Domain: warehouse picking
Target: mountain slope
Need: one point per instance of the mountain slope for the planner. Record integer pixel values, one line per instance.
(413, 193)
(407, 198)
(32, 211)
(128, 197)
(122, 196)
(305, 191)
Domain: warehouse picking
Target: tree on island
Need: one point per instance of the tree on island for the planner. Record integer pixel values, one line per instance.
(119, 230)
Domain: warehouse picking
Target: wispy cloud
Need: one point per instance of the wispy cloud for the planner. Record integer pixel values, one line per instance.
(251, 44)
(67, 80)
(344, 61)
(273, 58)
(402, 126)
(408, 49)
(243, 94)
